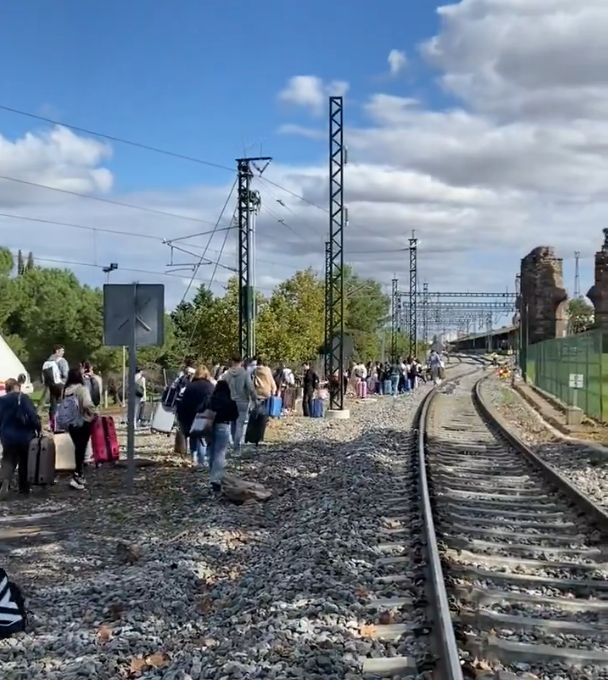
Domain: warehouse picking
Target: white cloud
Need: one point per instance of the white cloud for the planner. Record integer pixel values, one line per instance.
(397, 62)
(311, 92)
(58, 158)
(518, 160)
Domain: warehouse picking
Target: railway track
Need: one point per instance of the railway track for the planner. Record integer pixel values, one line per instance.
(400, 604)
(521, 590)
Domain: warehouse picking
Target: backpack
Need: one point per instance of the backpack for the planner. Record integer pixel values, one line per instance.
(68, 413)
(93, 386)
(50, 373)
(13, 616)
(173, 393)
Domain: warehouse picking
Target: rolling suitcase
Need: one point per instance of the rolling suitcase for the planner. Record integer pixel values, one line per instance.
(275, 407)
(256, 427)
(41, 461)
(65, 457)
(289, 398)
(163, 420)
(146, 413)
(104, 440)
(361, 389)
(317, 408)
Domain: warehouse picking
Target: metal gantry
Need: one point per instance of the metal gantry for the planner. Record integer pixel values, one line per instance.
(413, 294)
(336, 254)
(247, 202)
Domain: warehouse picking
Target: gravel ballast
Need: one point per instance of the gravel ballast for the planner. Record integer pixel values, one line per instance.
(173, 583)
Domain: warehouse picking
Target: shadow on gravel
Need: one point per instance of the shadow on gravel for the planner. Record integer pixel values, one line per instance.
(271, 588)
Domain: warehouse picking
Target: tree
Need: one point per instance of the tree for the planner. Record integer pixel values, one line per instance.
(366, 309)
(581, 315)
(7, 262)
(291, 323)
(30, 261)
(20, 263)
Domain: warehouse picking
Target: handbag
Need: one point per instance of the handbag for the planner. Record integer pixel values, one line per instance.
(202, 422)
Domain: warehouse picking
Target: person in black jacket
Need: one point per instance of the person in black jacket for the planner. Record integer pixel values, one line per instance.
(19, 424)
(310, 383)
(226, 412)
(194, 400)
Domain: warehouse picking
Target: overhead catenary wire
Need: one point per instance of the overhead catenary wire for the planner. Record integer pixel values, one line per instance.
(202, 257)
(132, 270)
(111, 201)
(150, 147)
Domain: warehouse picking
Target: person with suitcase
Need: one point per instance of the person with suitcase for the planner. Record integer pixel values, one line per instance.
(310, 383)
(75, 413)
(242, 392)
(19, 425)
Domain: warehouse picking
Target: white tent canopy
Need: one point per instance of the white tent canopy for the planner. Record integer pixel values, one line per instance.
(11, 366)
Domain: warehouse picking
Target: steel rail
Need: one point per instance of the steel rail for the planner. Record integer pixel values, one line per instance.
(555, 478)
(449, 656)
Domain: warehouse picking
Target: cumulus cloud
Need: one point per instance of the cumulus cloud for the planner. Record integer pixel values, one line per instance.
(58, 158)
(517, 160)
(397, 62)
(311, 92)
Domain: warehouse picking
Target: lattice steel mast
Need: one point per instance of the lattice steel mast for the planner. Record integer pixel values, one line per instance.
(413, 293)
(327, 326)
(336, 254)
(394, 320)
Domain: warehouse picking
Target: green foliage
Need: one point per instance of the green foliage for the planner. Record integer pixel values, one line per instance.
(7, 262)
(40, 307)
(581, 315)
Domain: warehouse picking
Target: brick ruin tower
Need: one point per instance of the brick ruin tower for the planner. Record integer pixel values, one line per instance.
(598, 293)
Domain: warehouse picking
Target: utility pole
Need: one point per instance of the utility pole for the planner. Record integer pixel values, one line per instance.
(248, 202)
(413, 293)
(577, 274)
(394, 320)
(337, 220)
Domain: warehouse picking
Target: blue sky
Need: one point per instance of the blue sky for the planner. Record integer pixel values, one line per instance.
(200, 77)
(478, 141)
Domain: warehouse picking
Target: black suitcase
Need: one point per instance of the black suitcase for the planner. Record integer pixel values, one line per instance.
(256, 427)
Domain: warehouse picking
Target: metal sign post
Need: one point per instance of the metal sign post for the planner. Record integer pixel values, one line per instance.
(133, 315)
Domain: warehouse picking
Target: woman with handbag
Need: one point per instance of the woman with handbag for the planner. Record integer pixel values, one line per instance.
(222, 412)
(19, 424)
(194, 400)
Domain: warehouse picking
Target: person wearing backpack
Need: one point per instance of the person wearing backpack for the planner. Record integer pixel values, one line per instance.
(54, 374)
(75, 414)
(92, 382)
(19, 424)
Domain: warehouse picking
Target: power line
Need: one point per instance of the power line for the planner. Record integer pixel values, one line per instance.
(114, 138)
(149, 147)
(96, 266)
(202, 257)
(107, 200)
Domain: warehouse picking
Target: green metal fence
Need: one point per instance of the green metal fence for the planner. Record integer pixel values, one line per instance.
(551, 364)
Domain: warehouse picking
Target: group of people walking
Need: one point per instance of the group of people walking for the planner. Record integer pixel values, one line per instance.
(74, 395)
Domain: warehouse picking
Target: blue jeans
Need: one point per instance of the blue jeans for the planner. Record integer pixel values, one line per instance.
(395, 384)
(198, 449)
(238, 427)
(218, 445)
